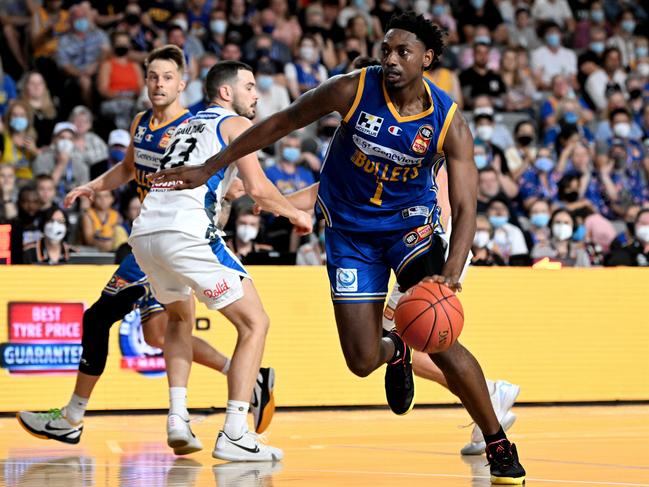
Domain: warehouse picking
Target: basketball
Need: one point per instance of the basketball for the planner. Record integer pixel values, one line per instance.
(429, 317)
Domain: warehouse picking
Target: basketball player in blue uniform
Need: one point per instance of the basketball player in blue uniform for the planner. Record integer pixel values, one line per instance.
(378, 195)
(151, 132)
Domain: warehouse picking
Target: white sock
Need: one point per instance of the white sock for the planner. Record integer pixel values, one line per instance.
(76, 409)
(226, 367)
(236, 419)
(178, 401)
(491, 386)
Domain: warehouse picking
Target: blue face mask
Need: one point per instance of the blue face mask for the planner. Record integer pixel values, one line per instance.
(482, 40)
(641, 51)
(544, 164)
(480, 160)
(628, 26)
(540, 220)
(477, 4)
(597, 16)
(204, 72)
(497, 221)
(291, 154)
(19, 123)
(268, 29)
(218, 26)
(597, 47)
(571, 118)
(438, 10)
(553, 40)
(81, 25)
(580, 234)
(117, 155)
(264, 82)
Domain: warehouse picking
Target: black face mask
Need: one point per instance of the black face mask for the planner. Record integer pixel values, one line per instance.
(263, 52)
(570, 196)
(121, 51)
(328, 131)
(132, 19)
(524, 140)
(353, 54)
(635, 94)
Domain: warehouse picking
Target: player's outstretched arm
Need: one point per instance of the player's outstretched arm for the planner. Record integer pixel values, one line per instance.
(334, 95)
(258, 186)
(463, 196)
(304, 199)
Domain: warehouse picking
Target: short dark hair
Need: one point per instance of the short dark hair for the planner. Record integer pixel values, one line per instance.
(167, 53)
(47, 216)
(525, 121)
(221, 73)
(617, 111)
(487, 169)
(43, 177)
(640, 213)
(563, 210)
(430, 34)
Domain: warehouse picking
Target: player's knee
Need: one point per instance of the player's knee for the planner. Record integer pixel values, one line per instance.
(362, 366)
(153, 336)
(255, 326)
(94, 342)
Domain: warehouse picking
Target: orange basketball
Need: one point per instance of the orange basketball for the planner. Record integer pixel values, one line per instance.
(429, 317)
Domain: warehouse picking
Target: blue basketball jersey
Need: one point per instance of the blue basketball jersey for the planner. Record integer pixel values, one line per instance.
(379, 172)
(149, 145)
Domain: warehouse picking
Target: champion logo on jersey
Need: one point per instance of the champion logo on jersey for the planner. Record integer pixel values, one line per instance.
(369, 124)
(422, 139)
(149, 137)
(139, 135)
(394, 130)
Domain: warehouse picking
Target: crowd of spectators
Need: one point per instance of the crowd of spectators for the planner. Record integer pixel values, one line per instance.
(555, 91)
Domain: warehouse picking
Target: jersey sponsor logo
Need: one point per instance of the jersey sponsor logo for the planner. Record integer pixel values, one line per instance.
(220, 288)
(164, 140)
(369, 124)
(415, 211)
(422, 139)
(384, 171)
(373, 149)
(346, 280)
(418, 235)
(139, 135)
(394, 130)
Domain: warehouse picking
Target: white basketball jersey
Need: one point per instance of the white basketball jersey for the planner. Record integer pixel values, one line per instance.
(191, 211)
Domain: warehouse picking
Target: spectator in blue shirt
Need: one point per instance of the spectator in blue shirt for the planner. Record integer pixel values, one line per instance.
(540, 180)
(286, 174)
(7, 90)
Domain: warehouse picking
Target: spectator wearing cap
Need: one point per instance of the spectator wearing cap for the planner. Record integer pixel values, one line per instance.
(272, 96)
(508, 240)
(118, 142)
(552, 58)
(521, 32)
(80, 51)
(62, 160)
(480, 80)
(636, 252)
(623, 38)
(481, 12)
(19, 139)
(91, 147)
(306, 72)
(554, 10)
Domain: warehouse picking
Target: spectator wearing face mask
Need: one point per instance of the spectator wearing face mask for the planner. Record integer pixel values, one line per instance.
(540, 179)
(140, 30)
(538, 231)
(636, 252)
(217, 29)
(51, 248)
(552, 58)
(306, 72)
(604, 131)
(561, 92)
(286, 174)
(523, 154)
(571, 123)
(598, 85)
(481, 12)
(443, 16)
(178, 35)
(508, 240)
(623, 38)
(560, 247)
(272, 96)
(194, 96)
(483, 255)
(19, 139)
(353, 49)
(62, 160)
(118, 142)
(502, 135)
(247, 228)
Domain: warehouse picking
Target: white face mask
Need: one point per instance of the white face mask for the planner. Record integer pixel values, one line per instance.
(422, 6)
(485, 132)
(642, 232)
(622, 129)
(309, 54)
(562, 231)
(643, 69)
(481, 239)
(64, 146)
(247, 233)
(54, 230)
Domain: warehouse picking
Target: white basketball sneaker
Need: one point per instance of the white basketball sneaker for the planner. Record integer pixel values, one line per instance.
(180, 436)
(502, 399)
(247, 448)
(52, 425)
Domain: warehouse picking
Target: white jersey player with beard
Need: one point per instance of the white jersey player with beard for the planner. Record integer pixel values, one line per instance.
(176, 243)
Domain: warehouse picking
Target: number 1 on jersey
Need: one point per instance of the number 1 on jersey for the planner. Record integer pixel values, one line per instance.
(376, 199)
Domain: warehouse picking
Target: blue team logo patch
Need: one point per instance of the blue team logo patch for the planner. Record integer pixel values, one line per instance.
(369, 124)
(139, 135)
(346, 280)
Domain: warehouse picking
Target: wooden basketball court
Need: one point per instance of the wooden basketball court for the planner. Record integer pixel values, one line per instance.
(563, 446)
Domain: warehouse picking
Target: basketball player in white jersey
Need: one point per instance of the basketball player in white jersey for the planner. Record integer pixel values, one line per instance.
(176, 244)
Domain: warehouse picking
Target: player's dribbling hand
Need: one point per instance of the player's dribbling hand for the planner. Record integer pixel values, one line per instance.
(182, 177)
(302, 222)
(452, 283)
(77, 192)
